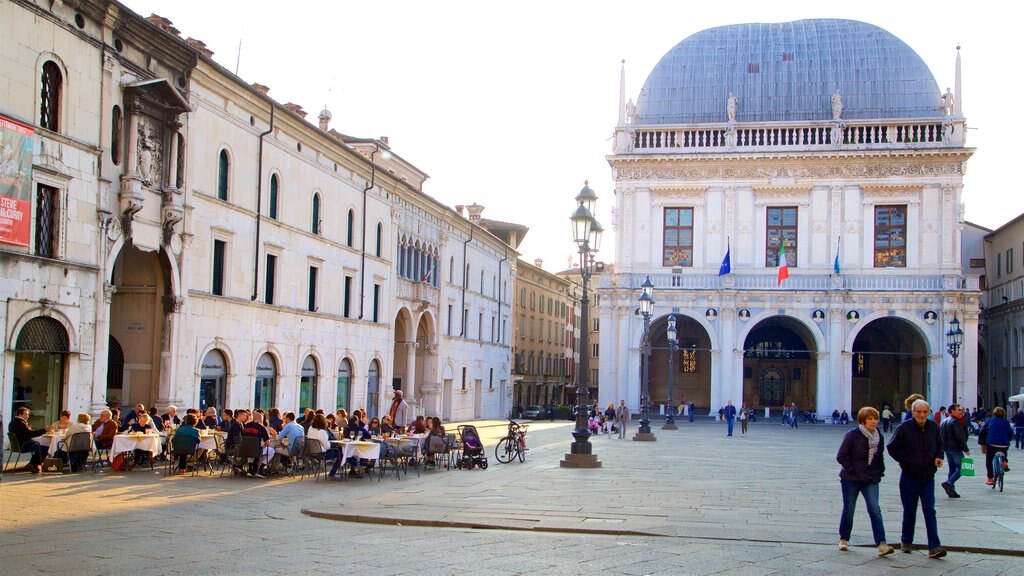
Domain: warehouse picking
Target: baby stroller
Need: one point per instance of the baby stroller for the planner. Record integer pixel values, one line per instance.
(472, 449)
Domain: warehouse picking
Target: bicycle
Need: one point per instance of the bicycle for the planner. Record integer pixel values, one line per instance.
(513, 444)
(998, 469)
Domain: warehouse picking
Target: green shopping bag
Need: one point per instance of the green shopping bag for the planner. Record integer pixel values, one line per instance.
(967, 466)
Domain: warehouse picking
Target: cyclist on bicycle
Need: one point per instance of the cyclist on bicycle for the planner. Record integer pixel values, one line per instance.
(995, 437)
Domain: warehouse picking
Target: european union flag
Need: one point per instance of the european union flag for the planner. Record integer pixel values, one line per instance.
(726, 265)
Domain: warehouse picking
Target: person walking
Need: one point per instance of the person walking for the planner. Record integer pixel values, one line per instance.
(794, 416)
(917, 446)
(622, 418)
(995, 437)
(954, 444)
(863, 462)
(887, 418)
(744, 417)
(1018, 428)
(689, 408)
(609, 419)
(729, 414)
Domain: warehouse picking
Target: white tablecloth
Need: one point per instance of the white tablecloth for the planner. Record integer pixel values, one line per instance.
(403, 441)
(125, 443)
(362, 449)
(50, 441)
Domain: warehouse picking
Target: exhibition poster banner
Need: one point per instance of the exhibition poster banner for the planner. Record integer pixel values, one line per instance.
(16, 145)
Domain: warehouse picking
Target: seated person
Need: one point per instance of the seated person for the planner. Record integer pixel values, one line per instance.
(132, 417)
(435, 441)
(374, 427)
(200, 424)
(63, 422)
(289, 438)
(354, 428)
(419, 426)
(171, 417)
(78, 458)
(185, 437)
(332, 422)
(26, 437)
(318, 431)
(255, 428)
(104, 429)
(234, 428)
(385, 425)
(145, 426)
(210, 419)
(274, 420)
(154, 417)
(226, 417)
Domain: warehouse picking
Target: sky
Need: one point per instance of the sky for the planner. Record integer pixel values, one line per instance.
(512, 105)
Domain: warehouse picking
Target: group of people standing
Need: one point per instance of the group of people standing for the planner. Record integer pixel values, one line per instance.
(919, 445)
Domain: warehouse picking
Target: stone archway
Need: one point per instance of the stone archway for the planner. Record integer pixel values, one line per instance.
(691, 365)
(889, 363)
(780, 365)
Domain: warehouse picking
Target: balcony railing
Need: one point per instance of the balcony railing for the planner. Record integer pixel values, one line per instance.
(420, 292)
(796, 282)
(784, 136)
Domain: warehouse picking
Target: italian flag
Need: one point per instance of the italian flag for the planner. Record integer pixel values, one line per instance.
(783, 266)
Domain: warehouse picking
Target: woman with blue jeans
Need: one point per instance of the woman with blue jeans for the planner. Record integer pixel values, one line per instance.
(861, 456)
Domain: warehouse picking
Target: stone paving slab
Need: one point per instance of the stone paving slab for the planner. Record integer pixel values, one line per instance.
(701, 504)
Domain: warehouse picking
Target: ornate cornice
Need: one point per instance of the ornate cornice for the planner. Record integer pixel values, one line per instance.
(767, 169)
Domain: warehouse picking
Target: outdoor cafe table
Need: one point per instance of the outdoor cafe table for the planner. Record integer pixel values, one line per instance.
(50, 440)
(128, 443)
(400, 441)
(362, 449)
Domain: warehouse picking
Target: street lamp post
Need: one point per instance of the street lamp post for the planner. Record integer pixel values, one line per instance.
(586, 232)
(670, 421)
(644, 433)
(954, 339)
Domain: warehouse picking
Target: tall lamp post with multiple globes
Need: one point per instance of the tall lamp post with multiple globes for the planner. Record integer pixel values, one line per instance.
(954, 339)
(586, 232)
(644, 433)
(670, 421)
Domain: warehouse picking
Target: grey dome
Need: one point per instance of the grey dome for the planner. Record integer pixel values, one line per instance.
(789, 71)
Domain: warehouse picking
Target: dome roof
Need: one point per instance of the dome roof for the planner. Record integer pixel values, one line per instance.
(789, 71)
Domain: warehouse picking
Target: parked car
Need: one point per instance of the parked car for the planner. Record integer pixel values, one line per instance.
(536, 412)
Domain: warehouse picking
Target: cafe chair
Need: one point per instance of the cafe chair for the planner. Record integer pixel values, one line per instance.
(100, 456)
(390, 456)
(16, 448)
(408, 450)
(178, 446)
(248, 448)
(79, 444)
(313, 456)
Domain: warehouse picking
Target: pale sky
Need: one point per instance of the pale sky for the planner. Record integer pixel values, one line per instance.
(513, 105)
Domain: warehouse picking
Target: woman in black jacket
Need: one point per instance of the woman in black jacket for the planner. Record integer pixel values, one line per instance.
(862, 457)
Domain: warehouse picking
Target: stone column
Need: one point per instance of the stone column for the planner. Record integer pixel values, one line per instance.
(167, 390)
(409, 384)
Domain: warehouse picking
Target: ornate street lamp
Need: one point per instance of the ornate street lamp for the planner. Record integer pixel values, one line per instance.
(644, 433)
(586, 232)
(954, 339)
(670, 420)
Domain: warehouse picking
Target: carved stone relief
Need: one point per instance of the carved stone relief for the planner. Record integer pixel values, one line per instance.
(150, 151)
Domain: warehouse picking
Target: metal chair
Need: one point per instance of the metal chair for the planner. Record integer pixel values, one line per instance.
(390, 456)
(248, 448)
(78, 442)
(15, 448)
(178, 446)
(313, 456)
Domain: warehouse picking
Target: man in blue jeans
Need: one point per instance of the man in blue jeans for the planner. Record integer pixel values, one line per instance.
(729, 413)
(954, 444)
(917, 446)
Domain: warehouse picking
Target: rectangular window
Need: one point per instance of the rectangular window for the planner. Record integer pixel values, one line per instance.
(678, 237)
(47, 221)
(999, 265)
(347, 310)
(480, 326)
(268, 289)
(449, 332)
(781, 228)
(891, 236)
(492, 329)
(465, 323)
(1009, 261)
(597, 324)
(376, 302)
(522, 328)
(595, 348)
(219, 246)
(311, 304)
(594, 381)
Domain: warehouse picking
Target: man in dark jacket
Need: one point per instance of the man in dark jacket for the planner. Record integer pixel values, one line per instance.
(26, 436)
(954, 443)
(917, 446)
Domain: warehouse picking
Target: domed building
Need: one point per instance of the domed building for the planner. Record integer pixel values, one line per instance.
(793, 192)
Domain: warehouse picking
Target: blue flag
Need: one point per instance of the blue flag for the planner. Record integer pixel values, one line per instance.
(835, 265)
(726, 265)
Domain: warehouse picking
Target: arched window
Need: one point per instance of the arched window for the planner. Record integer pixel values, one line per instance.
(350, 234)
(380, 238)
(49, 96)
(223, 169)
(272, 207)
(316, 213)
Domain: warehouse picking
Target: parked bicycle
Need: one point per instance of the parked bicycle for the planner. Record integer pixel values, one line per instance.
(513, 444)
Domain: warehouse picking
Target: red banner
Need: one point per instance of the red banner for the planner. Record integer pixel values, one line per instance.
(17, 141)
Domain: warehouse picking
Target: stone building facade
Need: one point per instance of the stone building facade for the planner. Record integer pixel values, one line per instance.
(193, 241)
(830, 138)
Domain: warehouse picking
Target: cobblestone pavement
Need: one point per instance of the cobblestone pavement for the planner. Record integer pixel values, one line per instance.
(694, 502)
